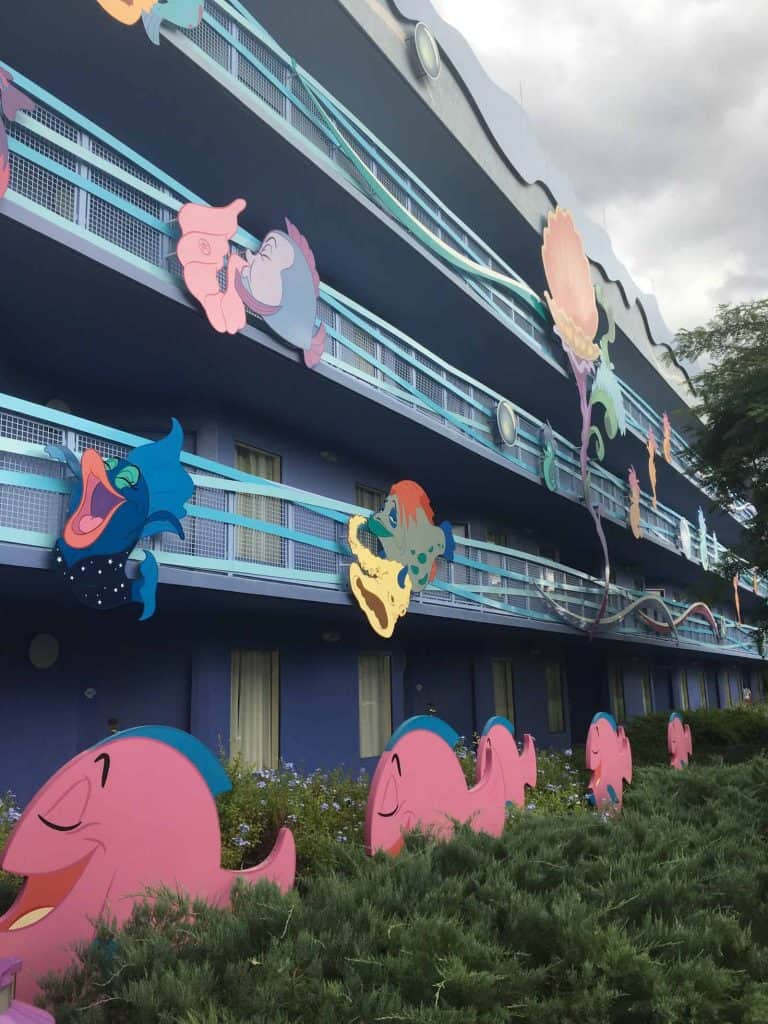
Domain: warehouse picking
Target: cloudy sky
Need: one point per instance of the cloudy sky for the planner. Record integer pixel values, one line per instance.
(658, 113)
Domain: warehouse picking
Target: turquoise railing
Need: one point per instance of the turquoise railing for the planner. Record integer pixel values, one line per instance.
(252, 60)
(77, 176)
(241, 525)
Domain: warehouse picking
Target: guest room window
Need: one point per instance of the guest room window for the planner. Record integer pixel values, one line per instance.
(375, 702)
(616, 694)
(255, 545)
(254, 723)
(369, 497)
(555, 708)
(504, 688)
(647, 692)
(685, 701)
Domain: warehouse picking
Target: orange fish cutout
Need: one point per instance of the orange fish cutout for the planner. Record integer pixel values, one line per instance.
(634, 504)
(736, 598)
(652, 449)
(666, 444)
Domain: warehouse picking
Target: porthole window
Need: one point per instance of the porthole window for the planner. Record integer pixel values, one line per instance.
(426, 52)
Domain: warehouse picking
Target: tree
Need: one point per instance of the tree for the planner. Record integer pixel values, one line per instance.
(730, 448)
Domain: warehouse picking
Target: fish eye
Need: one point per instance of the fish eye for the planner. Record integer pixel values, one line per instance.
(396, 763)
(104, 768)
(127, 477)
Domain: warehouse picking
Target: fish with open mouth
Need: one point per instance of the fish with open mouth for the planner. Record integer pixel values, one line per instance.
(114, 503)
(136, 811)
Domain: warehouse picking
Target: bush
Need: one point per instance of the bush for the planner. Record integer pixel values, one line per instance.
(659, 916)
(324, 810)
(9, 884)
(730, 734)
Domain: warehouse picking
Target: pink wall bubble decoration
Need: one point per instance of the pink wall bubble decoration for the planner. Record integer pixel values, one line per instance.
(419, 782)
(609, 758)
(137, 810)
(679, 742)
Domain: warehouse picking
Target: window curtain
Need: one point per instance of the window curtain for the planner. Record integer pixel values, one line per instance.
(555, 710)
(647, 693)
(253, 545)
(618, 709)
(503, 689)
(254, 707)
(375, 703)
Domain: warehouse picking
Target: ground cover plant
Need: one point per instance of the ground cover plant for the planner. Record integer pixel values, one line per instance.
(659, 915)
(727, 734)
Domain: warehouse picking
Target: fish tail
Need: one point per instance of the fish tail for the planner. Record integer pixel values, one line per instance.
(450, 544)
(152, 21)
(279, 867)
(144, 589)
(314, 353)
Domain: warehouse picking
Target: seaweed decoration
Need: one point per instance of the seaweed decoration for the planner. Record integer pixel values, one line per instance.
(573, 302)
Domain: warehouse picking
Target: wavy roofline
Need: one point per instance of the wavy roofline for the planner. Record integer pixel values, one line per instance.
(511, 130)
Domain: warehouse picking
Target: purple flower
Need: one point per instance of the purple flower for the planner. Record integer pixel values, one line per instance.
(261, 785)
(323, 807)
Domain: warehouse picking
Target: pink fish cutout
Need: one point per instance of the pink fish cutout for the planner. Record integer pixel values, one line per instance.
(12, 1011)
(11, 102)
(137, 810)
(609, 758)
(519, 770)
(202, 251)
(419, 781)
(679, 742)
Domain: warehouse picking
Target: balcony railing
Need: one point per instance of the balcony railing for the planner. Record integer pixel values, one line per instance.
(241, 525)
(241, 48)
(78, 176)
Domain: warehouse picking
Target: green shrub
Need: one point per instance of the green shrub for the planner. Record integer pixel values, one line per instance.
(659, 916)
(730, 734)
(9, 884)
(324, 810)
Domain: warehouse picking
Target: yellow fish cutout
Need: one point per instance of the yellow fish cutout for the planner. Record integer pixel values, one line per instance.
(381, 587)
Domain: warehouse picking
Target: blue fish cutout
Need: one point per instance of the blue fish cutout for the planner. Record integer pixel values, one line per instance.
(182, 13)
(114, 503)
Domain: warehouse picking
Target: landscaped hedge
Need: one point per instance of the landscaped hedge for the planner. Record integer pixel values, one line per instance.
(659, 915)
(733, 734)
(9, 884)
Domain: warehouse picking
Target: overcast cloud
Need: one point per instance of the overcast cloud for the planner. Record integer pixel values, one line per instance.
(658, 113)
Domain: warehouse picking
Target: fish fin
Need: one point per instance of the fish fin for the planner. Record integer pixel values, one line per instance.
(314, 353)
(144, 589)
(450, 544)
(612, 794)
(152, 21)
(162, 522)
(63, 454)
